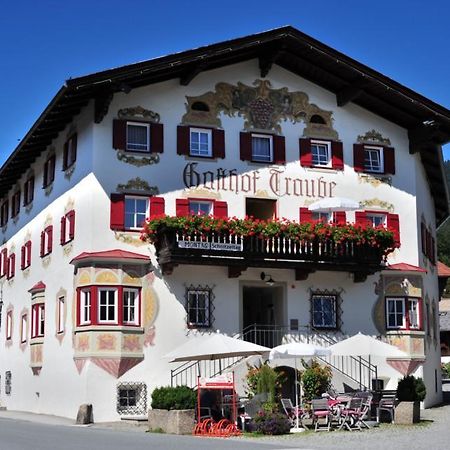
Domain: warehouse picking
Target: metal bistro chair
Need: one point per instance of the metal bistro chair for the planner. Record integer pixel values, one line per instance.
(321, 410)
(387, 403)
(351, 414)
(292, 412)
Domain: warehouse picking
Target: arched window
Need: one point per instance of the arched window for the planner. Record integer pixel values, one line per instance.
(317, 119)
(200, 106)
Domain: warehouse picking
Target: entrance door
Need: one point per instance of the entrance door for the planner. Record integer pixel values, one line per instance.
(263, 315)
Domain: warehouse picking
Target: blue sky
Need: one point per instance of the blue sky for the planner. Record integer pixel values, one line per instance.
(43, 43)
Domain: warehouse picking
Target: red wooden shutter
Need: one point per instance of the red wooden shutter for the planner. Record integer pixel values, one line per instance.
(156, 207)
(358, 157)
(28, 245)
(305, 215)
(41, 251)
(182, 207)
(305, 152)
(361, 218)
(183, 140)
(220, 209)
(337, 155)
(339, 217)
(156, 137)
(279, 150)
(389, 160)
(22, 257)
(49, 238)
(393, 224)
(117, 217)
(218, 143)
(62, 237)
(71, 216)
(119, 134)
(65, 154)
(245, 140)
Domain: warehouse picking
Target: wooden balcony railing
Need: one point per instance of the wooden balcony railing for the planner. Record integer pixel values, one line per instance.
(225, 249)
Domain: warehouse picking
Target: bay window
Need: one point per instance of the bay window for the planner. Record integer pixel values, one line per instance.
(38, 320)
(403, 313)
(108, 305)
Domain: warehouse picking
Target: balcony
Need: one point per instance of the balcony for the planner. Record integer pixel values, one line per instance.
(174, 247)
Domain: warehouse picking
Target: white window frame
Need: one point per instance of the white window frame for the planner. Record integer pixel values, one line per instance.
(46, 236)
(136, 197)
(201, 202)
(416, 302)
(143, 125)
(334, 300)
(372, 216)
(259, 158)
(198, 152)
(24, 328)
(397, 326)
(38, 320)
(61, 312)
(127, 309)
(197, 323)
(318, 163)
(9, 325)
(116, 317)
(85, 306)
(369, 168)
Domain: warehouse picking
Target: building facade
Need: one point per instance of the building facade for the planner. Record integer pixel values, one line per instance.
(260, 126)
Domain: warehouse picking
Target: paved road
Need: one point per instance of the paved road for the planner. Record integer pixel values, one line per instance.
(22, 432)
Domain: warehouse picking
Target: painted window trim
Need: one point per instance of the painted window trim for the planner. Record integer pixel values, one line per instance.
(137, 306)
(9, 325)
(24, 328)
(61, 310)
(46, 241)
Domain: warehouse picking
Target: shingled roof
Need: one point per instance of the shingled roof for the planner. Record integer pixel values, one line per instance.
(427, 122)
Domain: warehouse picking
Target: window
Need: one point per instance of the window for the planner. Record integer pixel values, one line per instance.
(132, 398)
(200, 208)
(373, 159)
(138, 137)
(200, 142)
(261, 148)
(67, 227)
(85, 306)
(404, 313)
(3, 262)
(37, 320)
(61, 313)
(24, 328)
(70, 152)
(25, 253)
(9, 325)
(324, 311)
(49, 171)
(321, 217)
(136, 210)
(321, 153)
(261, 208)
(28, 191)
(101, 305)
(131, 306)
(4, 213)
(318, 153)
(46, 241)
(15, 204)
(107, 305)
(198, 308)
(11, 266)
(377, 220)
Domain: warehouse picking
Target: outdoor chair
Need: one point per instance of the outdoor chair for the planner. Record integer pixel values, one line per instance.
(351, 414)
(387, 403)
(365, 407)
(321, 410)
(291, 412)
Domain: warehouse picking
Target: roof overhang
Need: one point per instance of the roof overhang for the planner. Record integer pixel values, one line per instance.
(427, 122)
(114, 256)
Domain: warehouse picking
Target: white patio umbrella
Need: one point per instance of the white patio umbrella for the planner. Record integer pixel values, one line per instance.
(295, 350)
(214, 346)
(334, 204)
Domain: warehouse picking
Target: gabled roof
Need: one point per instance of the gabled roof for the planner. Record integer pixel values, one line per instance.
(39, 286)
(111, 255)
(405, 267)
(443, 270)
(427, 122)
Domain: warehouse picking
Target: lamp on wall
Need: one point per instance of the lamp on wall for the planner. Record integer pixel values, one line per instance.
(267, 278)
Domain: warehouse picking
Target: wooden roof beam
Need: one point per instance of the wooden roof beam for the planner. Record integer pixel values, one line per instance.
(192, 71)
(351, 91)
(425, 134)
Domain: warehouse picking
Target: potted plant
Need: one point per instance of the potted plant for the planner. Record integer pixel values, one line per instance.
(173, 410)
(410, 392)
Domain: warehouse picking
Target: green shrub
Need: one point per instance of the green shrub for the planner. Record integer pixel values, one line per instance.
(316, 380)
(410, 389)
(446, 369)
(264, 379)
(178, 397)
(270, 422)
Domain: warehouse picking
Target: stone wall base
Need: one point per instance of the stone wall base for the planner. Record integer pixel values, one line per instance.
(407, 413)
(172, 422)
